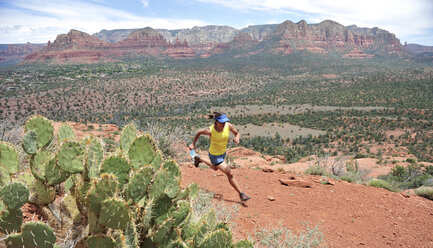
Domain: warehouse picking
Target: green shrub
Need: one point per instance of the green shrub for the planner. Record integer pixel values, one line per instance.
(411, 161)
(279, 237)
(316, 170)
(378, 183)
(425, 191)
(359, 155)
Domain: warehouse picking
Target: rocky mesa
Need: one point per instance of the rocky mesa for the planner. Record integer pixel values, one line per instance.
(324, 38)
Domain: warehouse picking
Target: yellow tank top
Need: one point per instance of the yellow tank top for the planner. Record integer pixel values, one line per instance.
(219, 140)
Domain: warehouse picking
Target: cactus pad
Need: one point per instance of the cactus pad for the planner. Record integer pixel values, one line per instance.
(9, 157)
(206, 224)
(14, 241)
(4, 176)
(118, 166)
(218, 239)
(158, 186)
(137, 187)
(243, 244)
(147, 214)
(179, 244)
(94, 226)
(38, 234)
(131, 236)
(193, 191)
(65, 132)
(45, 194)
(182, 211)
(43, 128)
(162, 206)
(54, 174)
(11, 220)
(172, 168)
(100, 241)
(14, 195)
(71, 157)
(162, 231)
(128, 135)
(39, 163)
(142, 151)
(101, 190)
(93, 156)
(30, 142)
(157, 160)
(114, 214)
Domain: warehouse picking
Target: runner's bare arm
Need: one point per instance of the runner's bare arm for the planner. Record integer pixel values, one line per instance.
(204, 131)
(235, 132)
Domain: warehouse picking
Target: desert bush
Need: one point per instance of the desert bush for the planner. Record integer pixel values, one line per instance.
(281, 237)
(316, 170)
(425, 191)
(410, 177)
(378, 183)
(203, 202)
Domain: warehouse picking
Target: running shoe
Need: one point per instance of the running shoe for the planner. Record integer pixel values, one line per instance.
(244, 197)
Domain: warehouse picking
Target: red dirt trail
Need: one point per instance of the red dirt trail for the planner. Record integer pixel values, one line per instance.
(349, 215)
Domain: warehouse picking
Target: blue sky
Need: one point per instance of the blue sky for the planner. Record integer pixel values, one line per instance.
(38, 21)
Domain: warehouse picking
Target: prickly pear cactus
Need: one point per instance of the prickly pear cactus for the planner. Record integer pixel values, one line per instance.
(182, 211)
(39, 162)
(14, 241)
(157, 160)
(163, 230)
(101, 190)
(71, 157)
(30, 142)
(4, 176)
(100, 241)
(243, 244)
(218, 239)
(37, 235)
(9, 157)
(157, 188)
(206, 224)
(118, 166)
(65, 132)
(179, 244)
(94, 154)
(45, 194)
(114, 214)
(11, 220)
(146, 217)
(131, 235)
(14, 195)
(54, 174)
(142, 151)
(43, 128)
(137, 187)
(172, 168)
(127, 136)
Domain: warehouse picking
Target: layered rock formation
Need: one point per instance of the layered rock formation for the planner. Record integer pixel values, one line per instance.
(15, 52)
(329, 36)
(323, 38)
(79, 47)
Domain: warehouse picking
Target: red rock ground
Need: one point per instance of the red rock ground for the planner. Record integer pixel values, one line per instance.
(349, 215)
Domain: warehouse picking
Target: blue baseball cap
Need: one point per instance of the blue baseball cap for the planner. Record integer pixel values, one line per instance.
(222, 119)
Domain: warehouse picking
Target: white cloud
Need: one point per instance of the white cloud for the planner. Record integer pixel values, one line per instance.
(38, 21)
(145, 3)
(403, 18)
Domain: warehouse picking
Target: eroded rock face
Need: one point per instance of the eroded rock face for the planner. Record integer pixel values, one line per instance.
(79, 47)
(329, 36)
(15, 52)
(288, 37)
